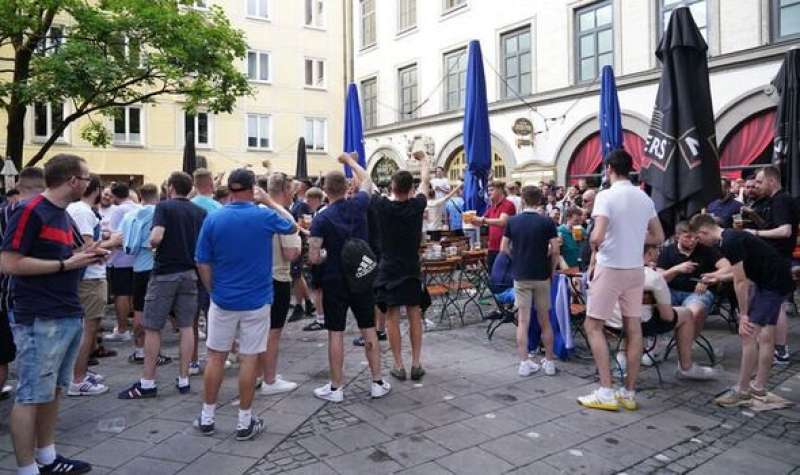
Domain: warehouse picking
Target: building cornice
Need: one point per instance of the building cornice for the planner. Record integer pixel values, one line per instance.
(749, 57)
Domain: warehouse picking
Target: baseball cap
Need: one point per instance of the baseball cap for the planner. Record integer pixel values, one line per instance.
(241, 179)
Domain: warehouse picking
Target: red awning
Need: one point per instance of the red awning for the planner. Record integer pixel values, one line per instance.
(587, 159)
(749, 141)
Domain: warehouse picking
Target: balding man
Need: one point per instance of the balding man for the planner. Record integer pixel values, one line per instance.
(588, 206)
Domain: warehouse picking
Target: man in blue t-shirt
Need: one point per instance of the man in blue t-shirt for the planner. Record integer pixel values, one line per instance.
(234, 260)
(532, 241)
(38, 251)
(343, 219)
(455, 209)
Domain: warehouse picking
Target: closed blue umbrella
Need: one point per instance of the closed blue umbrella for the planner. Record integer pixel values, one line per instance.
(610, 116)
(353, 131)
(477, 138)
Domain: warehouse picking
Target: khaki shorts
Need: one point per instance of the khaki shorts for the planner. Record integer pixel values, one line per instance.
(252, 327)
(610, 286)
(92, 294)
(528, 292)
(170, 293)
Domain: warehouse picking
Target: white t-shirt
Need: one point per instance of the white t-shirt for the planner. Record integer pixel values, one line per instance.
(653, 282)
(105, 214)
(628, 210)
(440, 186)
(281, 267)
(517, 200)
(88, 225)
(434, 217)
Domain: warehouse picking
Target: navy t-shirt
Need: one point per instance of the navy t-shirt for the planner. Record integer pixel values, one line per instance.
(181, 220)
(335, 224)
(40, 229)
(530, 234)
(705, 257)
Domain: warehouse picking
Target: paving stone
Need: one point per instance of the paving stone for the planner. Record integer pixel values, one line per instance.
(413, 450)
(441, 414)
(114, 452)
(219, 464)
(318, 468)
(150, 466)
(774, 449)
(430, 468)
(456, 436)
(394, 403)
(357, 437)
(537, 468)
(399, 425)
(320, 447)
(182, 448)
(615, 448)
(476, 404)
(739, 460)
(589, 422)
(495, 425)
(474, 461)
(370, 461)
(516, 449)
(582, 462)
(255, 448)
(155, 430)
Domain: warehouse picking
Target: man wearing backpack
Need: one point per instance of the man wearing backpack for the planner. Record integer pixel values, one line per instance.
(339, 243)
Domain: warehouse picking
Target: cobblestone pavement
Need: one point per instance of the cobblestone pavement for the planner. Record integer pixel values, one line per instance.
(470, 414)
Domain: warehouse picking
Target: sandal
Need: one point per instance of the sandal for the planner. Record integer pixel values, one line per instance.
(398, 373)
(417, 373)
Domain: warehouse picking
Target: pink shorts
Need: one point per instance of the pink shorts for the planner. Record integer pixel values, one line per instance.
(611, 286)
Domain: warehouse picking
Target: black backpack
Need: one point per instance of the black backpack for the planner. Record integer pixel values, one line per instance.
(359, 265)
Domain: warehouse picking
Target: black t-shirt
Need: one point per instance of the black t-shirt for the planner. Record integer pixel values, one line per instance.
(762, 262)
(778, 211)
(374, 226)
(182, 221)
(705, 257)
(530, 234)
(400, 236)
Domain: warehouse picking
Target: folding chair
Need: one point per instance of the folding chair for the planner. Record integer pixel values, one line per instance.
(438, 275)
(647, 349)
(471, 278)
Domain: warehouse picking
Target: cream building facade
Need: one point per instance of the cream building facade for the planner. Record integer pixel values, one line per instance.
(296, 66)
(541, 60)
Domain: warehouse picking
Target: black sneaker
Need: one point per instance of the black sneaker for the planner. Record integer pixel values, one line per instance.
(63, 465)
(136, 392)
(381, 336)
(358, 341)
(297, 313)
(183, 389)
(255, 428)
(133, 359)
(417, 373)
(205, 429)
(314, 327)
(310, 308)
(782, 358)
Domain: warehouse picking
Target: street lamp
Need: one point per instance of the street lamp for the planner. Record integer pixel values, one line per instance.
(9, 174)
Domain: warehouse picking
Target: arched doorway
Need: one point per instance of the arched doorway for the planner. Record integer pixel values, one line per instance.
(587, 161)
(749, 146)
(384, 168)
(457, 163)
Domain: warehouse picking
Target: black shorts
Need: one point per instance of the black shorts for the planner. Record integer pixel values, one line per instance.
(657, 326)
(8, 351)
(336, 300)
(765, 306)
(140, 280)
(121, 281)
(316, 277)
(406, 293)
(281, 300)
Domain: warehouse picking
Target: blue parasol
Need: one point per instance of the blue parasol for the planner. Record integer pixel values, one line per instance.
(477, 138)
(353, 132)
(610, 116)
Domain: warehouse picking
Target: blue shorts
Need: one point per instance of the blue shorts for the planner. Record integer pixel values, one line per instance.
(681, 298)
(46, 353)
(765, 307)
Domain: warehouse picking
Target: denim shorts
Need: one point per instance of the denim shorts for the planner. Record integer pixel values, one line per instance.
(46, 353)
(681, 298)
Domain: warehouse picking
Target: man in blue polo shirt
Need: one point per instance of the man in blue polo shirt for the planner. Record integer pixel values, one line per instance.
(46, 311)
(234, 260)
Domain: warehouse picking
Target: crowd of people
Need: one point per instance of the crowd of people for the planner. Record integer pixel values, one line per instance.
(249, 256)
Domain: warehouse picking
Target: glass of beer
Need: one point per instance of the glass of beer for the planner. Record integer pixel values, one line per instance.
(469, 216)
(738, 221)
(307, 220)
(577, 232)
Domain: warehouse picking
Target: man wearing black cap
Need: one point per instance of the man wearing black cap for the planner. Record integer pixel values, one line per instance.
(234, 260)
(173, 283)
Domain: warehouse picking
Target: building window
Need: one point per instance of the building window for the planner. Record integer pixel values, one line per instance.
(258, 66)
(367, 23)
(46, 119)
(51, 42)
(257, 9)
(455, 79)
(259, 131)
(128, 126)
(699, 9)
(316, 134)
(450, 5)
(408, 92)
(199, 124)
(406, 15)
(786, 21)
(594, 39)
(126, 49)
(458, 163)
(315, 13)
(315, 73)
(200, 4)
(516, 65)
(369, 99)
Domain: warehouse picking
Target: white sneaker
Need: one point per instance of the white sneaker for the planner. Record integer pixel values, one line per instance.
(95, 377)
(380, 390)
(194, 368)
(87, 388)
(117, 336)
(324, 392)
(527, 367)
(278, 387)
(549, 367)
(696, 373)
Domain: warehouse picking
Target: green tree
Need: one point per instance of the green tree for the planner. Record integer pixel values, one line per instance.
(97, 55)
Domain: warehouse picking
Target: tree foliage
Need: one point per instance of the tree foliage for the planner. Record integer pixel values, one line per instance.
(113, 53)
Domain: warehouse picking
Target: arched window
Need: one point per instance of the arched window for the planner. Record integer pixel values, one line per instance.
(457, 163)
(383, 170)
(749, 147)
(586, 161)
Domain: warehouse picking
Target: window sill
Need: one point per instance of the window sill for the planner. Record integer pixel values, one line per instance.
(203, 147)
(407, 32)
(455, 11)
(259, 149)
(258, 18)
(60, 141)
(127, 145)
(260, 81)
(315, 27)
(368, 48)
(316, 152)
(315, 88)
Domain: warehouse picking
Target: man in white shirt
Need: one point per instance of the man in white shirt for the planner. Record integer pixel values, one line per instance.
(513, 189)
(625, 220)
(440, 184)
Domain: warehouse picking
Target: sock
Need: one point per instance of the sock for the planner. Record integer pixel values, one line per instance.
(139, 352)
(147, 383)
(245, 416)
(46, 455)
(379, 381)
(31, 469)
(321, 319)
(183, 382)
(207, 416)
(606, 393)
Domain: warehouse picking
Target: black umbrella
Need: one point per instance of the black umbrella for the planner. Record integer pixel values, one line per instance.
(787, 121)
(189, 154)
(302, 160)
(682, 160)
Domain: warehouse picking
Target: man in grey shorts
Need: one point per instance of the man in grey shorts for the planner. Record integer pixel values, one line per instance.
(173, 283)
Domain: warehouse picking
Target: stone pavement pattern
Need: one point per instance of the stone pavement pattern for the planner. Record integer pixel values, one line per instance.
(470, 414)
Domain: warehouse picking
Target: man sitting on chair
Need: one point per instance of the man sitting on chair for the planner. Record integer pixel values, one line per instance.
(664, 320)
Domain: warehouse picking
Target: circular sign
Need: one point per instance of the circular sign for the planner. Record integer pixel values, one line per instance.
(522, 127)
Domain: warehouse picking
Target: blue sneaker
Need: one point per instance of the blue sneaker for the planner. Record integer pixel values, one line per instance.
(62, 465)
(137, 392)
